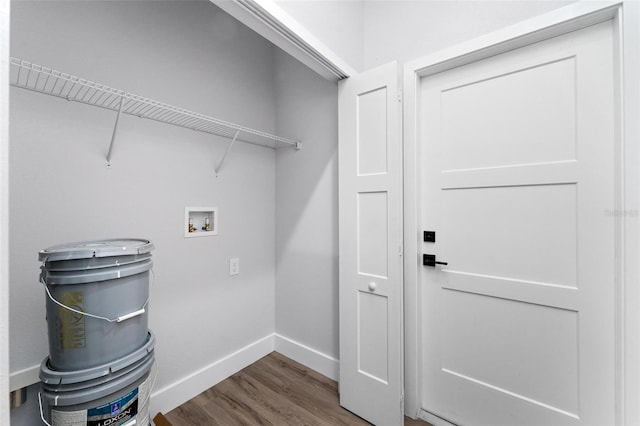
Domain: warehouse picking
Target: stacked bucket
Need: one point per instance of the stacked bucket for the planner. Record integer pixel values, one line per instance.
(98, 371)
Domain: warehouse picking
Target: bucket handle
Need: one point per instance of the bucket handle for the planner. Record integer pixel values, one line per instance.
(119, 319)
(41, 413)
(153, 384)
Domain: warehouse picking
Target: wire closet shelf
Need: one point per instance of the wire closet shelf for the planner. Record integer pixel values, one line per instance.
(37, 78)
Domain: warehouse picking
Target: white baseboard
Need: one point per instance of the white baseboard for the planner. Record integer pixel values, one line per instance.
(309, 357)
(175, 394)
(23, 378)
(171, 396)
(433, 419)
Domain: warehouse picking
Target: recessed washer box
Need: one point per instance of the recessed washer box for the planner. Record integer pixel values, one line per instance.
(200, 221)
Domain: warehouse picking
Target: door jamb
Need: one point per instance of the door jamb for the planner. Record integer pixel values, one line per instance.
(5, 15)
(627, 139)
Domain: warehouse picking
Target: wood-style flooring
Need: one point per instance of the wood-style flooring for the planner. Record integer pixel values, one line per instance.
(273, 391)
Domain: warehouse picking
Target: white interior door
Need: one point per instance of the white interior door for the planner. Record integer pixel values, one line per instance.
(370, 223)
(518, 183)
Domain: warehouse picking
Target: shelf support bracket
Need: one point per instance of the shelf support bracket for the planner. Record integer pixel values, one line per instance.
(226, 152)
(115, 130)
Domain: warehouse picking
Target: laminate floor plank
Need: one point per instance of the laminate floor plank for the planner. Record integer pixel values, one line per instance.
(189, 414)
(304, 387)
(274, 391)
(270, 404)
(224, 409)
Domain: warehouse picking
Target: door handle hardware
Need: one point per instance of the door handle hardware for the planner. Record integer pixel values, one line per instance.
(430, 260)
(429, 236)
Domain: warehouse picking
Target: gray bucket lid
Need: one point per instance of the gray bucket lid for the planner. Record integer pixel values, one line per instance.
(95, 392)
(114, 375)
(94, 262)
(52, 277)
(99, 248)
(56, 377)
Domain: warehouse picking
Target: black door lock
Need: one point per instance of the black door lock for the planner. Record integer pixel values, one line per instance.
(430, 260)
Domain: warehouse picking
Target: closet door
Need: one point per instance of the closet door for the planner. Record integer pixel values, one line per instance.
(371, 284)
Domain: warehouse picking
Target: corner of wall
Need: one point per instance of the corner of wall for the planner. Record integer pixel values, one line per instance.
(173, 395)
(309, 357)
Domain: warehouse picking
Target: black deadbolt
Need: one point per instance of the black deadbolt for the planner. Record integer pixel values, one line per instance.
(429, 236)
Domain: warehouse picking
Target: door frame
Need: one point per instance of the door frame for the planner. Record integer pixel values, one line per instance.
(626, 20)
(5, 15)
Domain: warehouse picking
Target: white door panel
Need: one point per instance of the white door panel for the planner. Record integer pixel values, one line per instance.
(517, 174)
(543, 118)
(371, 352)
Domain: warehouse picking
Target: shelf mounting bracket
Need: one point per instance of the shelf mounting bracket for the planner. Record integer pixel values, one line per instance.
(115, 130)
(226, 152)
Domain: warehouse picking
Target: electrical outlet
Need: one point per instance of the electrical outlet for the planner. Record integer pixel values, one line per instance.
(234, 266)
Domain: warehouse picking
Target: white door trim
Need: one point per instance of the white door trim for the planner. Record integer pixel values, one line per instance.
(272, 22)
(627, 215)
(4, 210)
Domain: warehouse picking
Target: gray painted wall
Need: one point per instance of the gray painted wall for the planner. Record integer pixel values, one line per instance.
(338, 24)
(368, 33)
(307, 209)
(191, 55)
(405, 30)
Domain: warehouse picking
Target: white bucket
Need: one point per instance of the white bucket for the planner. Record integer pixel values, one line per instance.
(97, 300)
(107, 395)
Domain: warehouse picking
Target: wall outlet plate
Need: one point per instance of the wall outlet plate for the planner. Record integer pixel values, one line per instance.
(234, 266)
